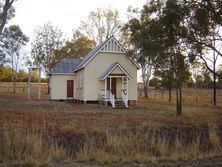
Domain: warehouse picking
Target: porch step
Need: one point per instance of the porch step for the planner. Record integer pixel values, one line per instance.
(119, 103)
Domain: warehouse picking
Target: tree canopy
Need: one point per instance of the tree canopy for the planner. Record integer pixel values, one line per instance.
(101, 24)
(47, 40)
(78, 47)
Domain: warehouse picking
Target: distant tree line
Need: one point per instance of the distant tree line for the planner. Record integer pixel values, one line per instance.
(204, 81)
(6, 73)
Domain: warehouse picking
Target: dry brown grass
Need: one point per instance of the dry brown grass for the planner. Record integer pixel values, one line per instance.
(22, 88)
(195, 97)
(105, 135)
(28, 147)
(141, 146)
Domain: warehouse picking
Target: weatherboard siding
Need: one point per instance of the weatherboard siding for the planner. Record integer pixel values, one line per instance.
(58, 85)
(80, 87)
(98, 65)
(117, 70)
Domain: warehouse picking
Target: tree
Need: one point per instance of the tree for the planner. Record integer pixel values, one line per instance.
(78, 47)
(199, 81)
(22, 76)
(12, 41)
(144, 42)
(6, 12)
(6, 73)
(101, 24)
(204, 24)
(207, 79)
(47, 40)
(155, 82)
(158, 35)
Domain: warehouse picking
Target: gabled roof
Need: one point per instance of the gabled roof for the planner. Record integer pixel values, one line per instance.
(111, 68)
(103, 48)
(70, 65)
(88, 56)
(66, 65)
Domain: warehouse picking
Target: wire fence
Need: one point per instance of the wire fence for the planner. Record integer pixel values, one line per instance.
(203, 97)
(21, 88)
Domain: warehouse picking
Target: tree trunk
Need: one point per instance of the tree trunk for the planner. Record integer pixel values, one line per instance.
(170, 90)
(178, 97)
(180, 101)
(145, 89)
(214, 80)
(48, 87)
(14, 84)
(177, 100)
(4, 14)
(178, 86)
(215, 89)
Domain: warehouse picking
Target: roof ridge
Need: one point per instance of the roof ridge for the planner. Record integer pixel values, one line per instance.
(92, 52)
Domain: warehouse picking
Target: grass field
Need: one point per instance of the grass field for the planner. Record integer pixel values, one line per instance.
(34, 131)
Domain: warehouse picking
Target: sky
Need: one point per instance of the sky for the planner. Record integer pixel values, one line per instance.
(66, 14)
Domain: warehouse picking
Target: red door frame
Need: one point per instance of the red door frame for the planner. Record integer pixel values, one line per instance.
(70, 88)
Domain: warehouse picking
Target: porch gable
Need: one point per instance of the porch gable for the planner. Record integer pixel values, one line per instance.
(114, 69)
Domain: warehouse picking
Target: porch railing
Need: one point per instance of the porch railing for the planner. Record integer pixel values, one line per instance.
(111, 98)
(108, 96)
(125, 97)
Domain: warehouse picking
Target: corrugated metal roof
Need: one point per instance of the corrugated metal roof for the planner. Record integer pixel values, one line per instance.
(66, 65)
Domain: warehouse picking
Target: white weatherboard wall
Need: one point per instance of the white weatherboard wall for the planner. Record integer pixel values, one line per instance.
(79, 86)
(98, 65)
(117, 70)
(58, 85)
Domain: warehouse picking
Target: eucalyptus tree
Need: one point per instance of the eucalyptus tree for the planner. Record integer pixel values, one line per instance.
(12, 41)
(46, 41)
(158, 36)
(6, 13)
(204, 23)
(144, 39)
(101, 24)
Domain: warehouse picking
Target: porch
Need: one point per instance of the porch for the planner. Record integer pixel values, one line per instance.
(115, 91)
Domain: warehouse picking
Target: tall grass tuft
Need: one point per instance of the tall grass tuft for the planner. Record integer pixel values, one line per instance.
(29, 147)
(148, 146)
(126, 144)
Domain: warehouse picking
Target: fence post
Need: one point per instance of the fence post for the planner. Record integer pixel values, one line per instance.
(29, 75)
(196, 100)
(39, 84)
